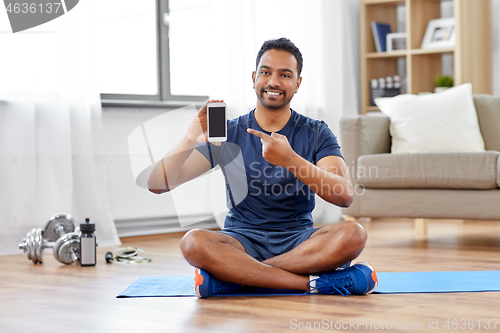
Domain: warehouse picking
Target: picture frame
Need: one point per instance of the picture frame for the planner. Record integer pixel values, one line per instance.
(396, 41)
(440, 33)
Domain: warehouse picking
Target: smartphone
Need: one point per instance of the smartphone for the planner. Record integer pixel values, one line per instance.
(216, 122)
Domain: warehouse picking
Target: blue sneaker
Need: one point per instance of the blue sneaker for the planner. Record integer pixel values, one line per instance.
(358, 279)
(206, 285)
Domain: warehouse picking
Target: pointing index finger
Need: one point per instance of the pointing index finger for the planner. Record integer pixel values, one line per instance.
(261, 135)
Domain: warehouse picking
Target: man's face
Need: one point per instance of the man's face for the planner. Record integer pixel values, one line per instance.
(276, 79)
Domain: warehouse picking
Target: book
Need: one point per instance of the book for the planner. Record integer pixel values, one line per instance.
(380, 31)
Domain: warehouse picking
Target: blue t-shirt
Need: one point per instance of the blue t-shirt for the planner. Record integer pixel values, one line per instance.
(259, 194)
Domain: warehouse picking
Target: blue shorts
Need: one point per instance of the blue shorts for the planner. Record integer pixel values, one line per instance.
(265, 244)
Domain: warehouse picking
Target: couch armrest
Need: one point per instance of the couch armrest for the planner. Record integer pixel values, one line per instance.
(363, 135)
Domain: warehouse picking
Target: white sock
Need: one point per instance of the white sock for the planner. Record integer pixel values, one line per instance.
(312, 283)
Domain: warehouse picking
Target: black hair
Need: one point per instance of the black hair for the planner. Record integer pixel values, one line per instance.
(283, 44)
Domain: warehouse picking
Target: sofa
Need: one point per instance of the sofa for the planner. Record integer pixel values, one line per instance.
(437, 185)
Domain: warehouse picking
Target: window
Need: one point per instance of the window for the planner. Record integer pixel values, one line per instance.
(189, 21)
(151, 50)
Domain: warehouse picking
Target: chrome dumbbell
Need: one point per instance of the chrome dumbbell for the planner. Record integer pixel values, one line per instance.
(59, 225)
(59, 234)
(34, 245)
(61, 230)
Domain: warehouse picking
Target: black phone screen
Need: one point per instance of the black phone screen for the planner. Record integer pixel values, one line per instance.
(217, 122)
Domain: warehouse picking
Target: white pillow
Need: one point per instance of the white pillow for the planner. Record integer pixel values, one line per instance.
(442, 122)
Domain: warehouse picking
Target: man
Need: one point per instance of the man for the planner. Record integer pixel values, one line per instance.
(268, 238)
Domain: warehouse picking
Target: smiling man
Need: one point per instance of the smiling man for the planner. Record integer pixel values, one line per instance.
(268, 239)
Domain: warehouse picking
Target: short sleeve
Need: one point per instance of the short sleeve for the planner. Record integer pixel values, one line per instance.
(326, 144)
(210, 152)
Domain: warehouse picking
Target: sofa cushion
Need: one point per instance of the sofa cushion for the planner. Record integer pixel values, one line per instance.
(488, 114)
(431, 203)
(430, 170)
(443, 122)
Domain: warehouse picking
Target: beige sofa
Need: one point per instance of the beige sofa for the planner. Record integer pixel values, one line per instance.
(427, 185)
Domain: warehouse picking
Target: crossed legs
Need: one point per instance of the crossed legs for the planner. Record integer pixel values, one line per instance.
(225, 258)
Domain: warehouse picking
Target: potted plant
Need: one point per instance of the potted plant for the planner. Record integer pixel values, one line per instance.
(443, 82)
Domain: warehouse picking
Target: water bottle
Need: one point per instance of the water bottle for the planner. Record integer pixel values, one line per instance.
(87, 244)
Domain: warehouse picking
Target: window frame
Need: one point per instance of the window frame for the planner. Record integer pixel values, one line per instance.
(164, 96)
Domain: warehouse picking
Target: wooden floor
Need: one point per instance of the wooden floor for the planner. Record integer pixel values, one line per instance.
(52, 297)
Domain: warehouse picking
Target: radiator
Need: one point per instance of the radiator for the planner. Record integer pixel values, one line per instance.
(137, 212)
(161, 225)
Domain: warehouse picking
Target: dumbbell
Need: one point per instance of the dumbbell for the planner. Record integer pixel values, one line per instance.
(59, 225)
(35, 244)
(59, 235)
(61, 229)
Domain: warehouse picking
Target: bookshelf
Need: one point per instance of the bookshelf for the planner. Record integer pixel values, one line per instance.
(472, 53)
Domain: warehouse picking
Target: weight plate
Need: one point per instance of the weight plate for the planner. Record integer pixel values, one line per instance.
(31, 245)
(57, 246)
(39, 245)
(64, 220)
(25, 245)
(66, 246)
(34, 256)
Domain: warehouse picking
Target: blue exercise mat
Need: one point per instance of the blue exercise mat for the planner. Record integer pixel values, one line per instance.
(389, 283)
(438, 282)
(183, 286)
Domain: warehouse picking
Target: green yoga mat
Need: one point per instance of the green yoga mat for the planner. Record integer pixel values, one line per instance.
(389, 283)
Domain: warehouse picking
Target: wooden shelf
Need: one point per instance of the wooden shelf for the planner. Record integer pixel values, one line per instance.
(385, 2)
(395, 54)
(433, 51)
(404, 53)
(472, 56)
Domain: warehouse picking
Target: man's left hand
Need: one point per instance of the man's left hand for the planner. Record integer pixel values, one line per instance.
(275, 148)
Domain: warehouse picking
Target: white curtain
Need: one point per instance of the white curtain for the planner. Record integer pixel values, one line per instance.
(51, 148)
(326, 32)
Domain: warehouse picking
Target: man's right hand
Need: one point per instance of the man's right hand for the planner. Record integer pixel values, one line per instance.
(197, 130)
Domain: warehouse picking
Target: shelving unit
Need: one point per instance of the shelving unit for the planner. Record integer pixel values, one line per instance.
(472, 53)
